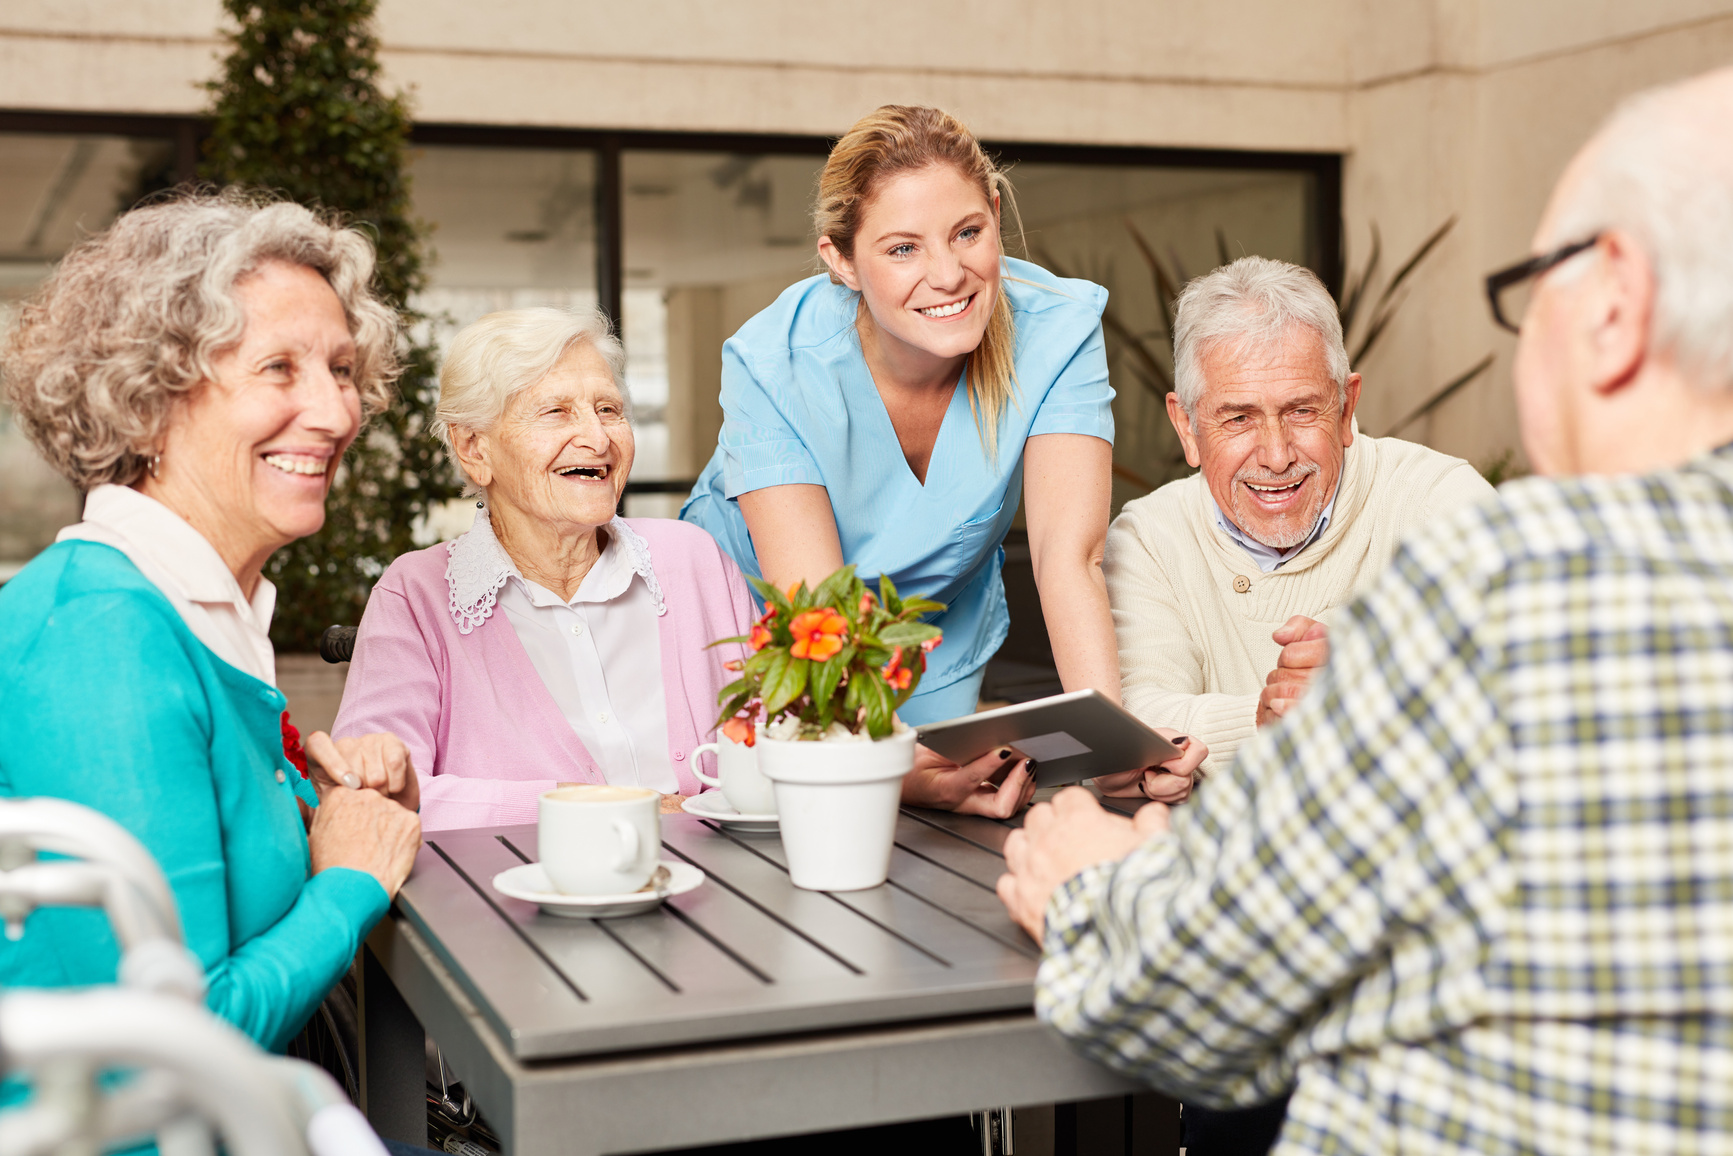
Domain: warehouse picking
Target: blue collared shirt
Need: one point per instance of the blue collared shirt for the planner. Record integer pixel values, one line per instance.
(1269, 557)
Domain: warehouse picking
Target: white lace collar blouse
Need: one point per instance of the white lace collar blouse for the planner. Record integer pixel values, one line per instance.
(599, 653)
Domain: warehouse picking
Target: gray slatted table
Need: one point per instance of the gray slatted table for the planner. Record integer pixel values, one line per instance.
(746, 1008)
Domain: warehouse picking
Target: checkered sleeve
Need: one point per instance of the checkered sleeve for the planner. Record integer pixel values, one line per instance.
(1337, 887)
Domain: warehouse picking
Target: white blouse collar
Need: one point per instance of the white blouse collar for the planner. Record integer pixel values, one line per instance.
(479, 567)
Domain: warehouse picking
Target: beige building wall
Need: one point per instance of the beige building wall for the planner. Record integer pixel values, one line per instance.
(1466, 107)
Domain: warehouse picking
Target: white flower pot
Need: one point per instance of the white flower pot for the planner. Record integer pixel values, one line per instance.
(838, 806)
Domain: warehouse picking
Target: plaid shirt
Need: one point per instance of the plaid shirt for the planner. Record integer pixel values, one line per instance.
(1475, 893)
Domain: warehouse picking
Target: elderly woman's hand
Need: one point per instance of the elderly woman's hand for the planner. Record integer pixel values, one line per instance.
(377, 761)
(969, 789)
(364, 831)
(1168, 782)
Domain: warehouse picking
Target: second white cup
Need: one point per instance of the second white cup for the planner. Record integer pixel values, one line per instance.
(599, 840)
(738, 777)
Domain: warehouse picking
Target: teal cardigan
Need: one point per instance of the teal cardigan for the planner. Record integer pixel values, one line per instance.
(108, 699)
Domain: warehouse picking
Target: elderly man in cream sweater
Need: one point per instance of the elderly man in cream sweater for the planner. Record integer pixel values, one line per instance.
(1222, 582)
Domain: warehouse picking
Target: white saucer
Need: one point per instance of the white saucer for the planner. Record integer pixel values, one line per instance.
(530, 883)
(712, 805)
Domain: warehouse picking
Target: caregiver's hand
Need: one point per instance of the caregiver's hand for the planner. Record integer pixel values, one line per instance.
(364, 831)
(377, 761)
(1168, 782)
(969, 789)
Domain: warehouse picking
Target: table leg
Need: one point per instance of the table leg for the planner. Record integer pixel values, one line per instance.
(1146, 1124)
(393, 1058)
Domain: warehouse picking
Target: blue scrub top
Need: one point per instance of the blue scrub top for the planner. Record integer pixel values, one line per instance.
(800, 406)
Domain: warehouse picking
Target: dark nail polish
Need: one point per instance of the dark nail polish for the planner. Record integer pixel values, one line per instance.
(1029, 765)
(1181, 740)
(1004, 753)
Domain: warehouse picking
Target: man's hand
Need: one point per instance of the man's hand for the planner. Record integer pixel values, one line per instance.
(1058, 840)
(939, 783)
(1168, 782)
(1305, 649)
(378, 762)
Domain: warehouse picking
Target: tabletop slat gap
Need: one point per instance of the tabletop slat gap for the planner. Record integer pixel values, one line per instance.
(712, 877)
(667, 981)
(700, 929)
(834, 897)
(511, 923)
(908, 814)
(514, 849)
(946, 867)
(1021, 949)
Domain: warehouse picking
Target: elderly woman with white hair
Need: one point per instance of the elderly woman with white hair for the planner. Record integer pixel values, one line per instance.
(554, 642)
(198, 370)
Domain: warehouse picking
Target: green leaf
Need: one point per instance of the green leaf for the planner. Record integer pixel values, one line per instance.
(888, 595)
(738, 686)
(833, 591)
(771, 596)
(740, 638)
(759, 662)
(829, 674)
(919, 605)
(784, 684)
(878, 703)
(908, 634)
(733, 707)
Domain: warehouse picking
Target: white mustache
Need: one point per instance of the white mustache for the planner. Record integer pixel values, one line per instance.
(1263, 477)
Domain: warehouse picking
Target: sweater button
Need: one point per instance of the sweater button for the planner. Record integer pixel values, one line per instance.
(1241, 583)
(281, 777)
(679, 756)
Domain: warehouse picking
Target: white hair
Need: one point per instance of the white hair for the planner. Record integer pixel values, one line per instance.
(1661, 168)
(1251, 304)
(504, 353)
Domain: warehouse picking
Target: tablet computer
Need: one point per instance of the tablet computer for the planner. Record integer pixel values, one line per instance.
(1071, 737)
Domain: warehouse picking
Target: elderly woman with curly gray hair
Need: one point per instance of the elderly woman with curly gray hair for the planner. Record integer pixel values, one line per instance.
(198, 371)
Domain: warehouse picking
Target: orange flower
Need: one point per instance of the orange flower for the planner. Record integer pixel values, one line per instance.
(866, 603)
(760, 636)
(739, 729)
(896, 676)
(733, 664)
(818, 634)
(932, 644)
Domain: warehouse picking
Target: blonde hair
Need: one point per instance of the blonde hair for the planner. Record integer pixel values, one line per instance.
(899, 138)
(132, 318)
(504, 353)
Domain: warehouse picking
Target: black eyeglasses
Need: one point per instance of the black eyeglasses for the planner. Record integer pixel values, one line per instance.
(1509, 290)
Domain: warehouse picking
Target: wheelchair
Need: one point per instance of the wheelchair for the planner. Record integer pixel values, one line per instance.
(115, 1067)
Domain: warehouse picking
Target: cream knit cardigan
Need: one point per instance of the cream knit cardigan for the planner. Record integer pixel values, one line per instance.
(1194, 649)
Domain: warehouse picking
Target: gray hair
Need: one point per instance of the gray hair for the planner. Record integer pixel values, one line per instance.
(131, 320)
(501, 355)
(1661, 168)
(1251, 304)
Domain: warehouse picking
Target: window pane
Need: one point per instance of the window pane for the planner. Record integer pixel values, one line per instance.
(710, 239)
(1085, 221)
(54, 190)
(512, 228)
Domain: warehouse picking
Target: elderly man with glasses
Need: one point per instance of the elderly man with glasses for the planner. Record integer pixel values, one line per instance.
(1474, 893)
(1221, 583)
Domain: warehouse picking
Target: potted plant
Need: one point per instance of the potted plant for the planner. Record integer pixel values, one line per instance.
(818, 698)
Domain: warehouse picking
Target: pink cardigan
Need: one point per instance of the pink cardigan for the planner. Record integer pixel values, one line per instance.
(486, 736)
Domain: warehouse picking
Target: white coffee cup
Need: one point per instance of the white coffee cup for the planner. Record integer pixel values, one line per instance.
(599, 839)
(737, 774)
